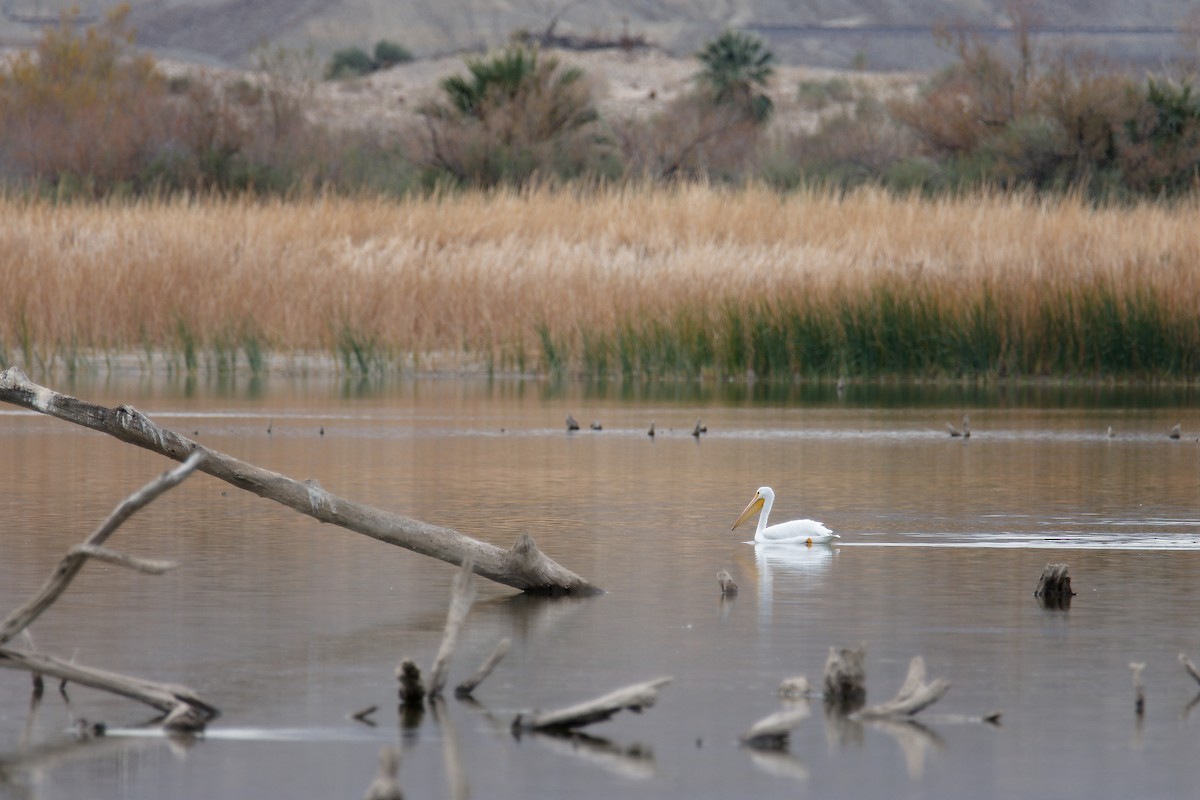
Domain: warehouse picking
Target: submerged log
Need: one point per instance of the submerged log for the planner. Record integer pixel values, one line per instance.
(634, 698)
(846, 679)
(1055, 582)
(523, 566)
(772, 732)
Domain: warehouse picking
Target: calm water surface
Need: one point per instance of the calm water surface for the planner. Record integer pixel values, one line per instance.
(289, 626)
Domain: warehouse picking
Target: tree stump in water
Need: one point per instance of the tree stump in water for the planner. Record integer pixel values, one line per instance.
(846, 679)
(1054, 586)
(412, 688)
(728, 587)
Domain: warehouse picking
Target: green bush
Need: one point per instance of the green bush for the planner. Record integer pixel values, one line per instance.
(351, 62)
(737, 67)
(389, 54)
(515, 116)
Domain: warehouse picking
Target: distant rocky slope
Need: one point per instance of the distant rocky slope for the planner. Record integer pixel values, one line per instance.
(879, 34)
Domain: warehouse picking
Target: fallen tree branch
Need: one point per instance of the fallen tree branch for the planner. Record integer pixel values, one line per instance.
(914, 695)
(462, 595)
(465, 688)
(165, 697)
(184, 709)
(523, 566)
(633, 698)
(772, 732)
(69, 567)
(1190, 667)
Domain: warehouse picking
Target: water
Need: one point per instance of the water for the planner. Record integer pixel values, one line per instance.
(290, 626)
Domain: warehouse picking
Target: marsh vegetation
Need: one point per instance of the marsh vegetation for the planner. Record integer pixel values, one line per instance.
(686, 281)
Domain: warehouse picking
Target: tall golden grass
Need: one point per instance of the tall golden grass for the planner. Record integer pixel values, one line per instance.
(690, 279)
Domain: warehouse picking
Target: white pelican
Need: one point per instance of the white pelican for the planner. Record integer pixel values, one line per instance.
(796, 531)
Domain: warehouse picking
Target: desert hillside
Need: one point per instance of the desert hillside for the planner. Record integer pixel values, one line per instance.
(828, 33)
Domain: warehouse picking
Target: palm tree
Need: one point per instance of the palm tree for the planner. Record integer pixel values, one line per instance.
(737, 67)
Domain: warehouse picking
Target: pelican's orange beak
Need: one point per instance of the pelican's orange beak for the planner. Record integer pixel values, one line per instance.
(755, 505)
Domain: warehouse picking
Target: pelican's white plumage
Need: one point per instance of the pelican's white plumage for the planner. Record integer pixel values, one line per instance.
(796, 531)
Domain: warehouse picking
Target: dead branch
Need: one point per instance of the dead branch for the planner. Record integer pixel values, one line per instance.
(462, 595)
(385, 786)
(633, 698)
(795, 688)
(1189, 667)
(913, 696)
(184, 709)
(772, 732)
(163, 696)
(523, 566)
(465, 688)
(1139, 686)
(69, 567)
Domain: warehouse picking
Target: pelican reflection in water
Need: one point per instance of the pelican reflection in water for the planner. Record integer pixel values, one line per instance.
(796, 531)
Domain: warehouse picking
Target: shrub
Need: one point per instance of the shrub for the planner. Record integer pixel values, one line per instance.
(737, 67)
(82, 105)
(351, 62)
(514, 116)
(389, 54)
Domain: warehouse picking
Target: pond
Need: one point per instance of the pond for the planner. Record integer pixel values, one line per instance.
(290, 626)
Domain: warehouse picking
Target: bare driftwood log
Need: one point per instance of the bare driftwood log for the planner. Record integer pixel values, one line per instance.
(462, 595)
(795, 688)
(92, 547)
(1139, 686)
(1189, 667)
(523, 566)
(386, 786)
(728, 587)
(465, 688)
(1054, 582)
(633, 698)
(846, 679)
(914, 695)
(772, 732)
(184, 709)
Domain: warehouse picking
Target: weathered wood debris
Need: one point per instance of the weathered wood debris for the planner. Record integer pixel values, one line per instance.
(467, 687)
(846, 679)
(772, 732)
(1055, 582)
(386, 786)
(633, 698)
(183, 709)
(523, 566)
(728, 587)
(1189, 667)
(1139, 686)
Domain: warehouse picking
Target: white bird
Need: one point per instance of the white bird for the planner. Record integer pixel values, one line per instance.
(796, 531)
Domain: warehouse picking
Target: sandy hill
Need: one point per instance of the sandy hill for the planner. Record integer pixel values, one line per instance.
(882, 34)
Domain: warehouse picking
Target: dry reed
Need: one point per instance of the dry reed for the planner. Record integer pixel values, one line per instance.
(686, 280)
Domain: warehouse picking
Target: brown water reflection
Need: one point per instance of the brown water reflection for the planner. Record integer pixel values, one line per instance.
(290, 626)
